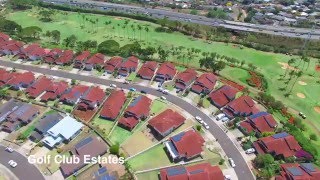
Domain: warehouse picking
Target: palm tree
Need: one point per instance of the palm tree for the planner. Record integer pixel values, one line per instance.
(147, 31)
(298, 75)
(118, 29)
(140, 29)
(290, 63)
(133, 31)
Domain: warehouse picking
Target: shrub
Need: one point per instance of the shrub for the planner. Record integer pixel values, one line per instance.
(114, 149)
(198, 127)
(59, 150)
(221, 161)
(313, 137)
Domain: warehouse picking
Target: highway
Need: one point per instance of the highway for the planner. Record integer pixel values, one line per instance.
(161, 13)
(24, 170)
(242, 170)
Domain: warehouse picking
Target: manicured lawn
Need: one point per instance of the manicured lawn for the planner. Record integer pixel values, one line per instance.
(148, 175)
(158, 106)
(66, 108)
(236, 73)
(144, 161)
(206, 102)
(28, 131)
(119, 135)
(132, 76)
(103, 124)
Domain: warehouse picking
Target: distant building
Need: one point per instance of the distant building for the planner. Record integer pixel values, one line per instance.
(185, 78)
(258, 123)
(295, 171)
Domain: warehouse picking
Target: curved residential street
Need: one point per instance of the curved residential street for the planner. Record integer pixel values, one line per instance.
(242, 170)
(24, 170)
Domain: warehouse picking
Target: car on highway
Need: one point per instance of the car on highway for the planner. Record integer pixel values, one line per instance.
(113, 85)
(162, 97)
(199, 119)
(12, 163)
(250, 151)
(231, 162)
(9, 149)
(132, 89)
(206, 125)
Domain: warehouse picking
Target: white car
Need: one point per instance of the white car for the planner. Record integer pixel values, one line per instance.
(199, 119)
(9, 149)
(160, 89)
(126, 82)
(219, 116)
(227, 177)
(113, 85)
(232, 162)
(224, 119)
(12, 163)
(250, 151)
(164, 98)
(165, 91)
(206, 125)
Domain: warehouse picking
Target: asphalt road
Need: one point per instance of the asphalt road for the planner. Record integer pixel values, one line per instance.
(24, 170)
(161, 13)
(242, 170)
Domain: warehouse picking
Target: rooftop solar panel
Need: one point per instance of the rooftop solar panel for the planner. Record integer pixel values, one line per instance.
(83, 142)
(258, 115)
(134, 102)
(178, 137)
(197, 171)
(280, 135)
(176, 171)
(295, 171)
(308, 167)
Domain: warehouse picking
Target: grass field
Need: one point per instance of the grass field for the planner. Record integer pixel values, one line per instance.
(267, 63)
(103, 124)
(119, 135)
(158, 106)
(148, 175)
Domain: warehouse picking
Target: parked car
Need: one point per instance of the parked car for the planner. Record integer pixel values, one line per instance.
(227, 177)
(143, 91)
(225, 119)
(132, 89)
(12, 163)
(232, 162)
(219, 116)
(113, 85)
(160, 89)
(199, 119)
(126, 82)
(206, 125)
(165, 91)
(250, 151)
(164, 98)
(9, 149)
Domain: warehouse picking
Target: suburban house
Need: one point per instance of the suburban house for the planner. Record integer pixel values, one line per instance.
(92, 98)
(94, 61)
(295, 171)
(185, 78)
(112, 106)
(21, 116)
(65, 58)
(73, 95)
(223, 96)
(128, 66)
(202, 171)
(21, 80)
(185, 145)
(4, 37)
(242, 106)
(139, 108)
(64, 131)
(37, 54)
(54, 91)
(103, 173)
(8, 107)
(258, 123)
(281, 145)
(112, 64)
(45, 123)
(5, 77)
(165, 72)
(147, 70)
(38, 87)
(12, 47)
(204, 84)
(25, 51)
(166, 122)
(53, 55)
(81, 59)
(90, 146)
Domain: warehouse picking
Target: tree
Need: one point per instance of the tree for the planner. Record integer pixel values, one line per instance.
(198, 127)
(163, 54)
(298, 75)
(55, 34)
(110, 47)
(70, 41)
(21, 4)
(266, 134)
(30, 32)
(3, 93)
(130, 49)
(217, 13)
(114, 149)
(263, 160)
(217, 67)
(73, 82)
(46, 15)
(9, 27)
(313, 137)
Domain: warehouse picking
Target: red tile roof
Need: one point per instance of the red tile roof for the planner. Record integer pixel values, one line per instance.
(203, 171)
(187, 76)
(223, 95)
(205, 81)
(30, 48)
(66, 57)
(13, 45)
(166, 120)
(113, 64)
(95, 94)
(128, 122)
(6, 76)
(188, 144)
(83, 56)
(38, 87)
(147, 69)
(113, 105)
(295, 171)
(139, 107)
(131, 62)
(167, 69)
(96, 59)
(242, 106)
(260, 123)
(53, 55)
(278, 144)
(75, 92)
(37, 52)
(54, 90)
(25, 78)
(4, 37)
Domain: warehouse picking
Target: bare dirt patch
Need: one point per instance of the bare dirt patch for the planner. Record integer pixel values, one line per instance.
(118, 18)
(317, 109)
(302, 83)
(286, 66)
(300, 95)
